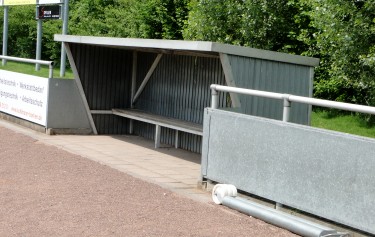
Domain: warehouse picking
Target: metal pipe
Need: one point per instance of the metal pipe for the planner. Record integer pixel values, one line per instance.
(39, 43)
(274, 217)
(5, 34)
(214, 98)
(298, 99)
(267, 94)
(26, 60)
(32, 61)
(286, 109)
(64, 32)
(226, 194)
(246, 201)
(333, 104)
(50, 68)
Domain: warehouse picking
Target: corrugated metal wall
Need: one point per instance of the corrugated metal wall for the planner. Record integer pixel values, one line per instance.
(105, 76)
(272, 76)
(179, 88)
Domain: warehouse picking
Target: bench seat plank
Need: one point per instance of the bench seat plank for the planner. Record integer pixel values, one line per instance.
(172, 123)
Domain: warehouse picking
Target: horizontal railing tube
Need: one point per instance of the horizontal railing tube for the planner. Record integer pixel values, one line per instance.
(298, 99)
(333, 104)
(267, 94)
(32, 61)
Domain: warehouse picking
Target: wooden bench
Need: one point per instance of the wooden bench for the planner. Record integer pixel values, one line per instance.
(161, 121)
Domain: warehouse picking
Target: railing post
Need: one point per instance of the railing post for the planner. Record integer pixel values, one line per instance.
(286, 110)
(50, 71)
(214, 98)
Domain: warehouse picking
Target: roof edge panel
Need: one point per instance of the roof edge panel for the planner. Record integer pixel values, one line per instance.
(264, 54)
(194, 46)
(137, 43)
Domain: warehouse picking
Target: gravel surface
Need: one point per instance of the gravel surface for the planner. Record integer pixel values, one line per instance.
(45, 191)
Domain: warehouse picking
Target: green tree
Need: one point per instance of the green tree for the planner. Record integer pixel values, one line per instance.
(155, 19)
(344, 37)
(273, 25)
(22, 31)
(87, 17)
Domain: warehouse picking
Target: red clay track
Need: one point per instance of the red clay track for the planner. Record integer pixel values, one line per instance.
(45, 191)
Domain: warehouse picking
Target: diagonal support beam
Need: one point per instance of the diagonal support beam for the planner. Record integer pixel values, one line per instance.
(80, 88)
(229, 79)
(147, 78)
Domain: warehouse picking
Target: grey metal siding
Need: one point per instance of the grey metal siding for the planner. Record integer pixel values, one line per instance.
(275, 77)
(179, 88)
(325, 173)
(105, 75)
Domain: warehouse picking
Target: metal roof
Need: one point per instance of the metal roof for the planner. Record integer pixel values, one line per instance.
(203, 48)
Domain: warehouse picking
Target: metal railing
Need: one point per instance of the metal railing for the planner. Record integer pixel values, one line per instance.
(287, 98)
(32, 61)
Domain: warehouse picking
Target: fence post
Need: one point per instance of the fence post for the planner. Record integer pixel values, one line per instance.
(214, 98)
(50, 71)
(286, 109)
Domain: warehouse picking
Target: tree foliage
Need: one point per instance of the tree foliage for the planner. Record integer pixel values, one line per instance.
(344, 37)
(156, 19)
(273, 25)
(340, 32)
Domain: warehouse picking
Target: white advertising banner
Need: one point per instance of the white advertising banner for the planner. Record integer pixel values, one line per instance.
(24, 96)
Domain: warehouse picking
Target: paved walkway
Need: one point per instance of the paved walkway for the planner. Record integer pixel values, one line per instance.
(174, 169)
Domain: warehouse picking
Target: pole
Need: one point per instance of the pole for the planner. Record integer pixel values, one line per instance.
(5, 34)
(214, 98)
(286, 109)
(39, 44)
(64, 32)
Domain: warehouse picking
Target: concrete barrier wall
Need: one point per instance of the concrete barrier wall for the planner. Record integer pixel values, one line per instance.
(66, 112)
(328, 174)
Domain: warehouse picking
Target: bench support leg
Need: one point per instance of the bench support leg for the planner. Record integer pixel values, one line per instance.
(157, 136)
(176, 139)
(131, 126)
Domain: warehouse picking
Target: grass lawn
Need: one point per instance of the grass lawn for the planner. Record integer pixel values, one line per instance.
(27, 68)
(343, 123)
